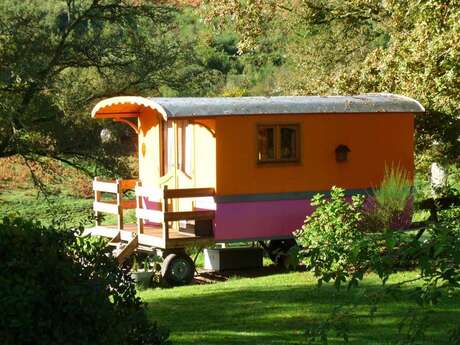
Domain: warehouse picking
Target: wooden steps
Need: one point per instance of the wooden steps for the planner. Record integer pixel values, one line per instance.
(123, 249)
(116, 240)
(125, 252)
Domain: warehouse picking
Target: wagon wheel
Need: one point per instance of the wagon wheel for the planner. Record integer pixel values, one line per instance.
(177, 269)
(278, 250)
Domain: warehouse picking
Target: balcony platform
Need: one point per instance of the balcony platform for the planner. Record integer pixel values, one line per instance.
(152, 235)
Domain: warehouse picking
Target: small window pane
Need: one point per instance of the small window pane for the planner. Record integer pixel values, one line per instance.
(170, 148)
(188, 149)
(288, 149)
(266, 143)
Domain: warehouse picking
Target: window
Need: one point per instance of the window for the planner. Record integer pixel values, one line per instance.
(277, 143)
(168, 147)
(183, 141)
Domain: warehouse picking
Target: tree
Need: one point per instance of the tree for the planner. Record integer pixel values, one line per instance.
(58, 57)
(358, 46)
(421, 61)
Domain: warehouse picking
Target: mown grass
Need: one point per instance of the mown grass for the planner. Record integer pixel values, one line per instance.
(65, 196)
(63, 209)
(276, 309)
(273, 309)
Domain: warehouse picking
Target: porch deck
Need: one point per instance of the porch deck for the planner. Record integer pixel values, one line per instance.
(152, 235)
(160, 226)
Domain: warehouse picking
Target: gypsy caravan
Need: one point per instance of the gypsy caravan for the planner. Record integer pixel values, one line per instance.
(215, 170)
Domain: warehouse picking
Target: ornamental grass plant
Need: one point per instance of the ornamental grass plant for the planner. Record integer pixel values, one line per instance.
(390, 206)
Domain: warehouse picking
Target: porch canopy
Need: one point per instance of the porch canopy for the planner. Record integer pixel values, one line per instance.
(183, 107)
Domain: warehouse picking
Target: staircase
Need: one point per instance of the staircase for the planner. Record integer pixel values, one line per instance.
(123, 249)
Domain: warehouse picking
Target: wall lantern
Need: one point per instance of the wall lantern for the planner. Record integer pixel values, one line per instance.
(341, 153)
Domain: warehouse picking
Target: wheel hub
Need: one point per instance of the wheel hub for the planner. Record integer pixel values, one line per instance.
(180, 269)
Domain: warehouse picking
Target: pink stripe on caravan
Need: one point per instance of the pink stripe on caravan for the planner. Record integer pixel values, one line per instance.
(259, 220)
(151, 205)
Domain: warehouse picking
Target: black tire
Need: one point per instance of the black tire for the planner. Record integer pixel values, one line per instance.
(277, 250)
(177, 269)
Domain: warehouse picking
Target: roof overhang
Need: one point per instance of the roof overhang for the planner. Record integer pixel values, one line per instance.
(125, 107)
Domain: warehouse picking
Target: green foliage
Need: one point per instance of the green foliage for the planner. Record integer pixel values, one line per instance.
(135, 265)
(57, 58)
(390, 202)
(334, 247)
(61, 289)
(354, 46)
(439, 256)
(421, 60)
(395, 189)
(146, 265)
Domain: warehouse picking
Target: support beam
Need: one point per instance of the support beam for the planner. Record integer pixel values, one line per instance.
(129, 123)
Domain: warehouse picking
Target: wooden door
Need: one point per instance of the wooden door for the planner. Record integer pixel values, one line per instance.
(168, 159)
(184, 167)
(177, 159)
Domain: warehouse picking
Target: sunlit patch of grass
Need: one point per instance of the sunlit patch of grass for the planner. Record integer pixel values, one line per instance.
(276, 309)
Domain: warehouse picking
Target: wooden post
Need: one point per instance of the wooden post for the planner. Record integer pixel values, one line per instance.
(97, 198)
(177, 162)
(120, 205)
(164, 209)
(139, 203)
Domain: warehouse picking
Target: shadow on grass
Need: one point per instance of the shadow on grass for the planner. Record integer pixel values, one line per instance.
(235, 313)
(207, 276)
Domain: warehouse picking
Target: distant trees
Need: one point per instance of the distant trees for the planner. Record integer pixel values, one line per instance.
(356, 46)
(58, 57)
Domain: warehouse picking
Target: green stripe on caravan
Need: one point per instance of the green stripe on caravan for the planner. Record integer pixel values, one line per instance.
(283, 196)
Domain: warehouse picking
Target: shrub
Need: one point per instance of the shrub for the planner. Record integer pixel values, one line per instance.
(395, 189)
(335, 248)
(390, 205)
(58, 288)
(331, 239)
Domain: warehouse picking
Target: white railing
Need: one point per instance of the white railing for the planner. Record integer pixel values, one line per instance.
(147, 199)
(164, 215)
(115, 206)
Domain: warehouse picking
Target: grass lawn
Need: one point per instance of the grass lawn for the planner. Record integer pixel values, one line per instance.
(276, 309)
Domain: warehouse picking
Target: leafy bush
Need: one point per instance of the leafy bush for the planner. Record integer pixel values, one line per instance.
(438, 256)
(58, 288)
(335, 248)
(331, 239)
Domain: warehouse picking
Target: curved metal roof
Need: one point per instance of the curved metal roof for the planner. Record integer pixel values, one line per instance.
(176, 107)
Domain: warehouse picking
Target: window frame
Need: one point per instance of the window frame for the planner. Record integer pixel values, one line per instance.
(165, 137)
(277, 142)
(177, 135)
